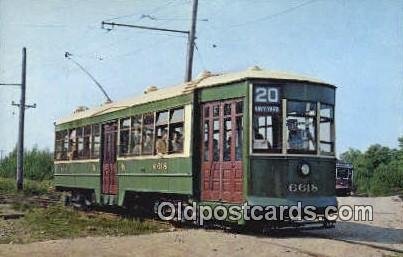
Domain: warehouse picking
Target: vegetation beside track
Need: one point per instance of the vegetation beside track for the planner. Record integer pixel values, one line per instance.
(31, 187)
(45, 217)
(57, 222)
(38, 164)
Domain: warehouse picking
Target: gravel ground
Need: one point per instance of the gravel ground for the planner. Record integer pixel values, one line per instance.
(381, 237)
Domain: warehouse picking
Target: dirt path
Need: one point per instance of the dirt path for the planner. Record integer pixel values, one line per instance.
(370, 238)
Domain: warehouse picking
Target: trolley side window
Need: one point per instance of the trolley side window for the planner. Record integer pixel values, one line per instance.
(61, 145)
(86, 143)
(152, 133)
(301, 127)
(80, 142)
(326, 129)
(72, 151)
(161, 133)
(124, 136)
(95, 141)
(148, 134)
(176, 124)
(135, 136)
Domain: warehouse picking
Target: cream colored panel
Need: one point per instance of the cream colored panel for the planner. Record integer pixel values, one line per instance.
(188, 130)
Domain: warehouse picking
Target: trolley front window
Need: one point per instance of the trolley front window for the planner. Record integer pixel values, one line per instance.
(301, 127)
(326, 129)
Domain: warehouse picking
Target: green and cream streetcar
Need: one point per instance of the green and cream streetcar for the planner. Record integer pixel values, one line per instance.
(255, 136)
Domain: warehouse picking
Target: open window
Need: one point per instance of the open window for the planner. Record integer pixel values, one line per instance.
(61, 145)
(135, 141)
(176, 136)
(148, 134)
(161, 132)
(124, 136)
(95, 141)
(86, 153)
(80, 142)
(72, 149)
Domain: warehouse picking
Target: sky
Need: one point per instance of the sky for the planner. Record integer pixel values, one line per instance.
(355, 45)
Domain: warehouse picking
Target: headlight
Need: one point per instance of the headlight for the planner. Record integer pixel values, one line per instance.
(305, 169)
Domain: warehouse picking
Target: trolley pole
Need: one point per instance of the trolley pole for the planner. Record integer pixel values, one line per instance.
(191, 43)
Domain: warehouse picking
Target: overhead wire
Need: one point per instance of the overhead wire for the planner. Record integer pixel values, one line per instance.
(150, 12)
(158, 8)
(271, 16)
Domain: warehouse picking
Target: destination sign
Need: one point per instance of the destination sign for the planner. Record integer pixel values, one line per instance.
(266, 99)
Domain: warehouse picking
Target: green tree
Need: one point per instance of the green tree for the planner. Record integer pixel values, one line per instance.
(38, 164)
(377, 171)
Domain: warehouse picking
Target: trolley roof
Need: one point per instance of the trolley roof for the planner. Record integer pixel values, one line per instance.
(205, 79)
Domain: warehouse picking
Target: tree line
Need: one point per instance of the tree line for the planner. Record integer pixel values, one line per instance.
(378, 170)
(38, 164)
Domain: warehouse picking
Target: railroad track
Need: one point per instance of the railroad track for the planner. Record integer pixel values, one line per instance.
(40, 201)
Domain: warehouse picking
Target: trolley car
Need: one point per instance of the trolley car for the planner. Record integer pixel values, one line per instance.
(255, 136)
(344, 178)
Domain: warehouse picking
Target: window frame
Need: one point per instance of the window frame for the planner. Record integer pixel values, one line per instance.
(172, 125)
(124, 129)
(93, 142)
(332, 135)
(61, 142)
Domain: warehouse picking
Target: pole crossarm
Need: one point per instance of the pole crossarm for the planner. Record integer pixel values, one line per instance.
(27, 106)
(144, 27)
(10, 84)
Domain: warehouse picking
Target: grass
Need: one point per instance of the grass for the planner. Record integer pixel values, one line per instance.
(57, 221)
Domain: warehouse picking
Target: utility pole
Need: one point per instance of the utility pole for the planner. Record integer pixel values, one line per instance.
(191, 43)
(22, 106)
(191, 37)
(20, 147)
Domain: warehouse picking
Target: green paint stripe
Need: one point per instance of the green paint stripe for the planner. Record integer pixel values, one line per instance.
(156, 174)
(78, 174)
(159, 191)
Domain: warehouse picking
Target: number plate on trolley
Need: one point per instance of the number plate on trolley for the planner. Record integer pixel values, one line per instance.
(303, 188)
